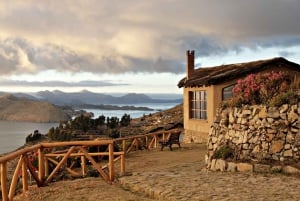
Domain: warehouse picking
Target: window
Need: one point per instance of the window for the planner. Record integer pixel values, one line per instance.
(198, 104)
(227, 92)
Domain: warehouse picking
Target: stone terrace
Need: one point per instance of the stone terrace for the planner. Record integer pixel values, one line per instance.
(165, 178)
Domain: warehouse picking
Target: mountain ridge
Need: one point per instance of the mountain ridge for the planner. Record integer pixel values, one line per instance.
(13, 108)
(87, 97)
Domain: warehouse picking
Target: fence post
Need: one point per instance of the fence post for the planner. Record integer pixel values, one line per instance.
(123, 163)
(41, 164)
(46, 163)
(111, 161)
(83, 165)
(4, 181)
(124, 145)
(24, 174)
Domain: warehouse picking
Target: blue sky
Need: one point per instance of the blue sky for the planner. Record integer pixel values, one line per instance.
(136, 45)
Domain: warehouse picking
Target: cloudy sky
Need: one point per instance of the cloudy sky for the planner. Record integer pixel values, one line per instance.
(136, 45)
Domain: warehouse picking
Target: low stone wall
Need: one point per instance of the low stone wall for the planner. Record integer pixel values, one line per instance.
(191, 136)
(256, 134)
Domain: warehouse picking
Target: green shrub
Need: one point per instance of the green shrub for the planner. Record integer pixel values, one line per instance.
(223, 152)
(289, 97)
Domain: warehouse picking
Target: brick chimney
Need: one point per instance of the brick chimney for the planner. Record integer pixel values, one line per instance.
(190, 63)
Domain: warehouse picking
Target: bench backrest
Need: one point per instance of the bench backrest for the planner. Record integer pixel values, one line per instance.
(174, 137)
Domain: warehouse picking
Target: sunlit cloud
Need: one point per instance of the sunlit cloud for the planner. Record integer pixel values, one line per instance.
(116, 37)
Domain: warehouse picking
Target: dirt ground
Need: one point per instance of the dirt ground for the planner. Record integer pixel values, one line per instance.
(178, 175)
(90, 189)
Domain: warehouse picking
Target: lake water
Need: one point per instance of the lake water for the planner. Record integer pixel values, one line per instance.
(133, 113)
(13, 134)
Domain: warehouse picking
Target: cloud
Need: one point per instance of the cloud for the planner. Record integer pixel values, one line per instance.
(85, 83)
(110, 36)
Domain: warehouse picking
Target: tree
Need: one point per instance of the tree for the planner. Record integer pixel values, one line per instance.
(125, 120)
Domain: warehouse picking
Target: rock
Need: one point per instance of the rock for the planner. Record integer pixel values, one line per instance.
(262, 168)
(231, 167)
(213, 165)
(290, 138)
(220, 165)
(269, 137)
(283, 116)
(276, 146)
(263, 113)
(256, 149)
(292, 117)
(246, 113)
(284, 108)
(214, 139)
(270, 120)
(288, 153)
(290, 170)
(244, 167)
(274, 114)
(231, 118)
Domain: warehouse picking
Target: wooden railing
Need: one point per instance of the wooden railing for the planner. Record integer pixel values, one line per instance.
(141, 142)
(44, 161)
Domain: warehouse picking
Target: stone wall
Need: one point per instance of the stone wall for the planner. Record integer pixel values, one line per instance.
(256, 134)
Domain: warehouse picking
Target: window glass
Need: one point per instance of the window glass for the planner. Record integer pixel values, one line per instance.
(227, 92)
(198, 104)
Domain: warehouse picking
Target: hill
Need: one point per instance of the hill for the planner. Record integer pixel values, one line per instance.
(86, 97)
(13, 108)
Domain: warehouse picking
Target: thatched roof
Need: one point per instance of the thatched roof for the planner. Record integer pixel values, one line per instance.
(219, 74)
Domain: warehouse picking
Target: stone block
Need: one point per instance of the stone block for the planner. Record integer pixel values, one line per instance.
(220, 165)
(213, 165)
(261, 168)
(263, 113)
(231, 167)
(276, 146)
(288, 153)
(290, 170)
(244, 167)
(274, 114)
(284, 108)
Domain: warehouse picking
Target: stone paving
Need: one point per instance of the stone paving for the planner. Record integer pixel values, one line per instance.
(191, 181)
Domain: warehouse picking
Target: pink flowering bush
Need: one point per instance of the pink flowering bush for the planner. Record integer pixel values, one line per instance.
(261, 88)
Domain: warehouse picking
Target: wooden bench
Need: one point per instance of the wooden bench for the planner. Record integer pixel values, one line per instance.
(172, 138)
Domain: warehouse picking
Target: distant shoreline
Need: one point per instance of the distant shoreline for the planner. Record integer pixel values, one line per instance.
(112, 107)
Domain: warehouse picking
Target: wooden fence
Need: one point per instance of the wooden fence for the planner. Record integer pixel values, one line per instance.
(44, 161)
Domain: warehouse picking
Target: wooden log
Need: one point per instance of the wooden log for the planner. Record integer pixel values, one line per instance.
(72, 172)
(46, 166)
(76, 143)
(95, 165)
(4, 190)
(83, 165)
(80, 154)
(111, 161)
(33, 173)
(18, 153)
(124, 146)
(131, 145)
(122, 163)
(15, 178)
(155, 141)
(41, 160)
(24, 174)
(115, 160)
(63, 160)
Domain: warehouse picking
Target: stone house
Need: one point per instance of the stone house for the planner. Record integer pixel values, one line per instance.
(205, 88)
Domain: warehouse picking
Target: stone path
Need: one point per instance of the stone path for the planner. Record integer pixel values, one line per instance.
(177, 175)
(191, 181)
